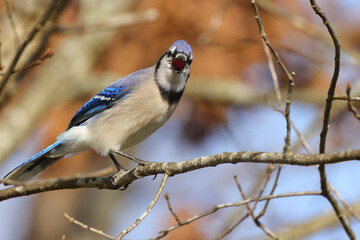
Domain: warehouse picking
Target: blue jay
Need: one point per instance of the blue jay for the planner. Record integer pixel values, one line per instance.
(120, 116)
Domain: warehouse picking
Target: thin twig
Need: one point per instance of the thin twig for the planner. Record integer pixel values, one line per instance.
(234, 204)
(171, 209)
(301, 137)
(285, 111)
(269, 171)
(38, 26)
(279, 10)
(262, 212)
(323, 179)
(152, 204)
(345, 205)
(274, 77)
(289, 76)
(351, 108)
(251, 212)
(335, 76)
(231, 228)
(12, 22)
(353, 99)
(87, 227)
(48, 54)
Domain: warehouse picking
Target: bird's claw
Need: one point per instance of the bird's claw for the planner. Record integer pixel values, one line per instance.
(124, 187)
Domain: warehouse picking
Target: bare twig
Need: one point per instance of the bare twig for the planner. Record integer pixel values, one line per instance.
(170, 208)
(274, 78)
(346, 98)
(269, 171)
(351, 108)
(335, 76)
(289, 76)
(48, 54)
(307, 27)
(87, 227)
(251, 212)
(38, 26)
(285, 111)
(235, 204)
(301, 137)
(345, 205)
(262, 212)
(231, 228)
(152, 204)
(129, 229)
(12, 22)
(323, 179)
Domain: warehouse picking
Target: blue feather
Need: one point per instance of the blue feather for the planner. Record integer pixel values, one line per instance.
(100, 102)
(38, 163)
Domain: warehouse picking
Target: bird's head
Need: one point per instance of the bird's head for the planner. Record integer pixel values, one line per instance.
(173, 68)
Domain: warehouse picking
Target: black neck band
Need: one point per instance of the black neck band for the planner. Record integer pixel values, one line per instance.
(172, 97)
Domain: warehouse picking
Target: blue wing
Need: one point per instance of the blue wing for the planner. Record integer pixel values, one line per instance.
(100, 102)
(110, 95)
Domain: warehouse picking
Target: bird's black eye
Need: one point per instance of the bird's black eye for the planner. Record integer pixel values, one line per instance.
(189, 61)
(169, 53)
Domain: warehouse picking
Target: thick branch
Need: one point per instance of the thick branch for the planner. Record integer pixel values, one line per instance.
(124, 178)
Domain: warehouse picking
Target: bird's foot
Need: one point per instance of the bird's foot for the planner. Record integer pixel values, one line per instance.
(134, 159)
(117, 164)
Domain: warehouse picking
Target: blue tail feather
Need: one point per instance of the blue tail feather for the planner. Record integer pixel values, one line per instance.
(38, 163)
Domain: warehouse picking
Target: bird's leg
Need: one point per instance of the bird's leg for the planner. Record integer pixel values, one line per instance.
(119, 168)
(137, 160)
(117, 164)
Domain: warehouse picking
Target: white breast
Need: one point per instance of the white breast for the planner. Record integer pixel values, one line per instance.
(131, 121)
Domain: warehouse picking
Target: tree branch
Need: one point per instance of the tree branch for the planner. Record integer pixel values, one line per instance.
(124, 178)
(326, 121)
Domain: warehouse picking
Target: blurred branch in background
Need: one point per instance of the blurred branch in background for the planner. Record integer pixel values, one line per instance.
(12, 22)
(113, 23)
(311, 226)
(44, 27)
(305, 26)
(214, 24)
(38, 26)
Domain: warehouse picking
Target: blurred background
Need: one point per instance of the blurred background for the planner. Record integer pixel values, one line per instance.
(96, 42)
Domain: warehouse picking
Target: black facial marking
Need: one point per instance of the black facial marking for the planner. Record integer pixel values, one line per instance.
(170, 96)
(158, 62)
